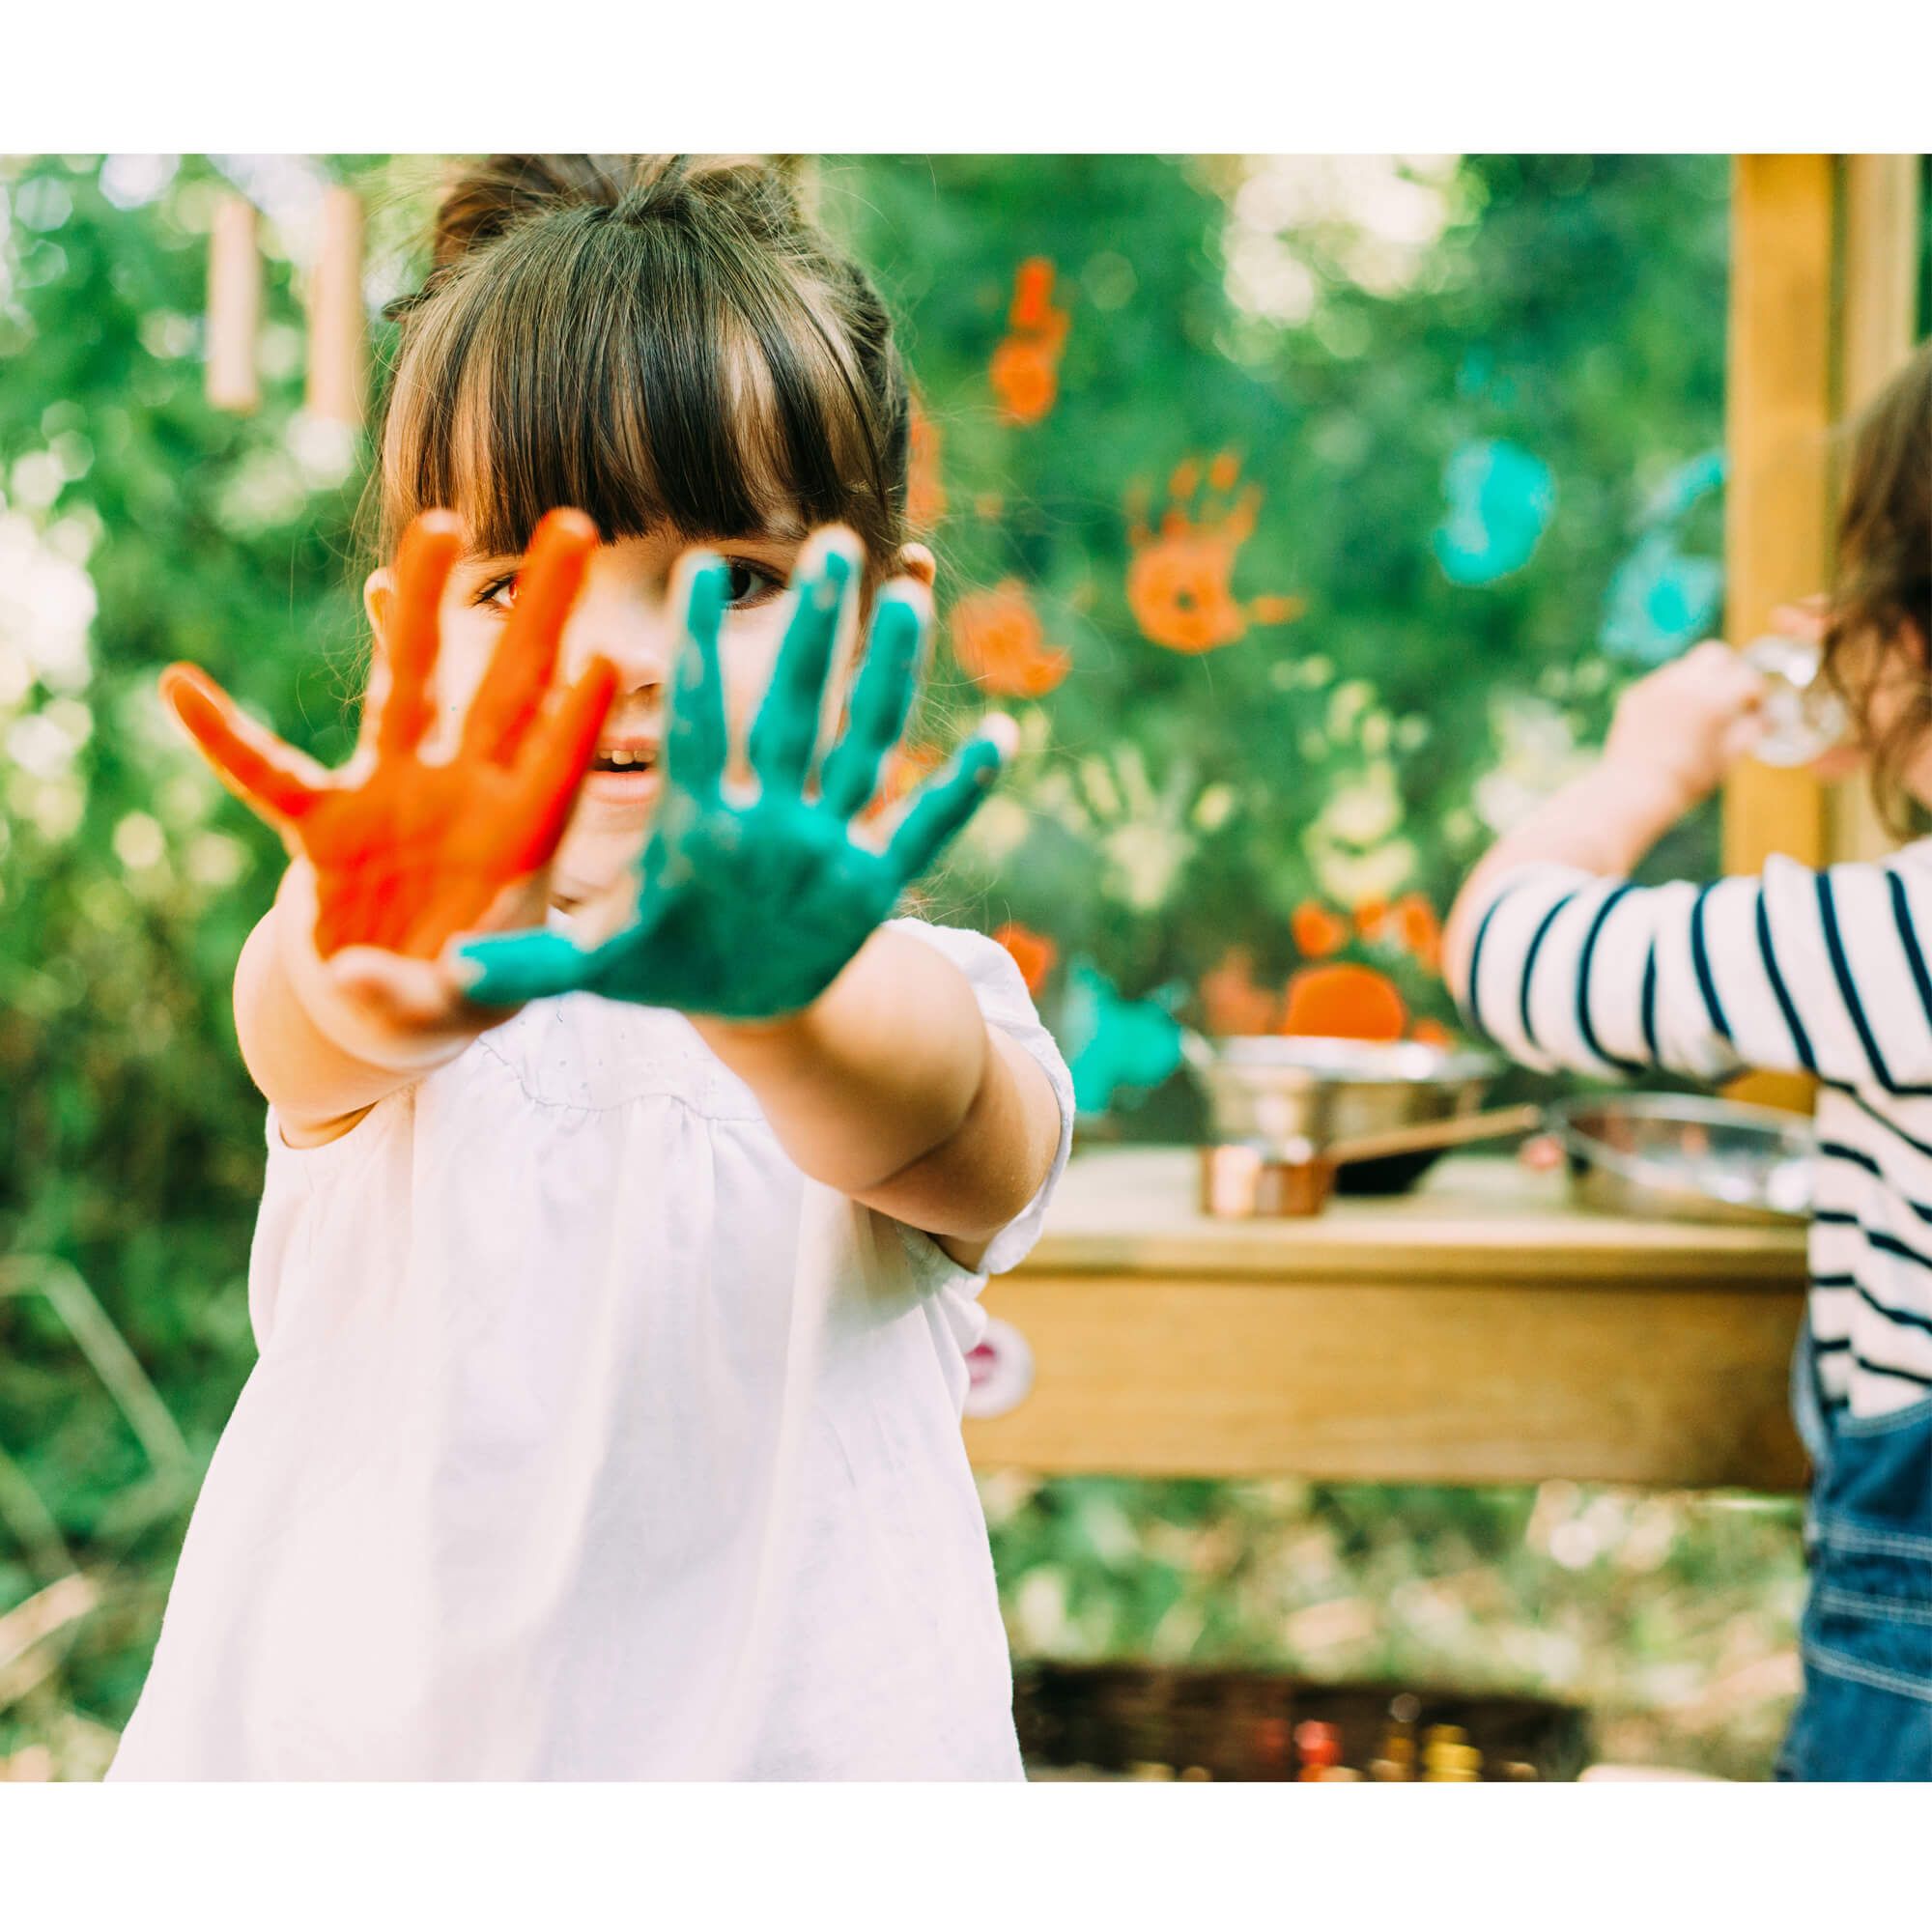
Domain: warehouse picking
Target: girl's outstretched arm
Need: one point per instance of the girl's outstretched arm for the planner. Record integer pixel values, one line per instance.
(891, 1088)
(323, 1041)
(337, 999)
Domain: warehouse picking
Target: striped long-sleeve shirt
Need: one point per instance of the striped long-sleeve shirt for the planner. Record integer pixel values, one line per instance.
(1823, 972)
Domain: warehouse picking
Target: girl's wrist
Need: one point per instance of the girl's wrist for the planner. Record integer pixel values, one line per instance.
(346, 1023)
(876, 1072)
(1647, 791)
(776, 1038)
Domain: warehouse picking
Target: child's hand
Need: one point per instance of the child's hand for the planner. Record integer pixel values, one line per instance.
(750, 911)
(1684, 726)
(395, 854)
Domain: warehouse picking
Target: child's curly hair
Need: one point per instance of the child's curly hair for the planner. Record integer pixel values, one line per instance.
(652, 339)
(1883, 589)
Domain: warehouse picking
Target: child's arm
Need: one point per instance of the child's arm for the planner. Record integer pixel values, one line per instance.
(337, 1001)
(1556, 957)
(324, 1041)
(891, 1088)
(1676, 733)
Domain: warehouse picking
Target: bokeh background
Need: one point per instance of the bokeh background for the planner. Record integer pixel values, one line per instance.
(1308, 512)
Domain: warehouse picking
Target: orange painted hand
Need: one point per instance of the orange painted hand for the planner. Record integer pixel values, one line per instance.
(407, 853)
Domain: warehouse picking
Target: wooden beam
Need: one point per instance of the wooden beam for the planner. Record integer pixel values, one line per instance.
(1879, 302)
(234, 307)
(1879, 203)
(337, 353)
(1824, 299)
(1779, 409)
(1677, 1384)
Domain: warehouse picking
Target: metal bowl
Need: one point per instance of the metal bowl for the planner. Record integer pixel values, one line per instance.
(1681, 1156)
(1291, 1098)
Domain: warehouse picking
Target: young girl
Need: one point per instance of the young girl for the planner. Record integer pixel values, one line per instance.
(1563, 963)
(606, 1416)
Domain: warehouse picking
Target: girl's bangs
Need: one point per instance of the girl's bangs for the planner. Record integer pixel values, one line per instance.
(683, 395)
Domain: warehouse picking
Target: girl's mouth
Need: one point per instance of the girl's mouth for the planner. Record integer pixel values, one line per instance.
(625, 772)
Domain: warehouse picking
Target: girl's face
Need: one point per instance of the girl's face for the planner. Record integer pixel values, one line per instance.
(629, 611)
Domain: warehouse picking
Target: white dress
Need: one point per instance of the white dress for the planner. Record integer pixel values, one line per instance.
(590, 1440)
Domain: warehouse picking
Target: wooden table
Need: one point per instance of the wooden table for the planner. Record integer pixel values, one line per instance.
(1479, 1329)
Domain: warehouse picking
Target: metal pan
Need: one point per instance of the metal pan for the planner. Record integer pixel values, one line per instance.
(1685, 1156)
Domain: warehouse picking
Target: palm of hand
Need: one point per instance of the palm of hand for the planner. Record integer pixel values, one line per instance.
(749, 911)
(416, 854)
(717, 880)
(407, 853)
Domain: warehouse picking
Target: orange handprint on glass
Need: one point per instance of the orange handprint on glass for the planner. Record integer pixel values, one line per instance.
(407, 853)
(1001, 644)
(1026, 365)
(1180, 581)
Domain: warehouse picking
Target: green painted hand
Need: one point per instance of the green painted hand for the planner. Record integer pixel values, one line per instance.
(750, 910)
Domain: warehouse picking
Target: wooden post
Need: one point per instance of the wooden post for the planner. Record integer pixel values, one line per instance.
(1877, 327)
(337, 370)
(234, 307)
(1879, 318)
(1778, 415)
(1824, 262)
(1824, 291)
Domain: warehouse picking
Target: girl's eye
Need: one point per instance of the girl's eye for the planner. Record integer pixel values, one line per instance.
(499, 593)
(748, 584)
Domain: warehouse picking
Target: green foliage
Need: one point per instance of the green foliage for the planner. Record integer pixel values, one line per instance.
(1574, 306)
(1166, 805)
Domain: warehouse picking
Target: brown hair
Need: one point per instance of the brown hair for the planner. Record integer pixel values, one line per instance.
(1884, 571)
(651, 339)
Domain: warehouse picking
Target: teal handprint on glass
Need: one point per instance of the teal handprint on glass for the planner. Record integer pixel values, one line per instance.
(1663, 595)
(1499, 499)
(1112, 1043)
(749, 909)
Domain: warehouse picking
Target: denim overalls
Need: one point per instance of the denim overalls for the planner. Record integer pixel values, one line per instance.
(1866, 1637)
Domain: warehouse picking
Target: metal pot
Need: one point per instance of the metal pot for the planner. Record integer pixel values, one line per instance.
(1289, 1098)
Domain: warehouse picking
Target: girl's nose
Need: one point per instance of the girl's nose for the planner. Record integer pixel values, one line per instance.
(635, 634)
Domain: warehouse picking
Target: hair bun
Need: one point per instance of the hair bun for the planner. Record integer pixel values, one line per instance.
(489, 197)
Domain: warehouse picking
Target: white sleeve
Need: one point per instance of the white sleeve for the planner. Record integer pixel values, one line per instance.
(1003, 999)
(1796, 970)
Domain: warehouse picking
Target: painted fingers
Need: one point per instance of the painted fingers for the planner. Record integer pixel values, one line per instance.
(941, 808)
(273, 780)
(785, 733)
(522, 667)
(880, 704)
